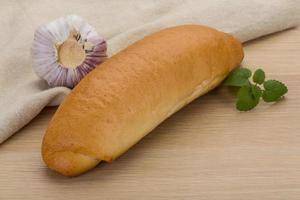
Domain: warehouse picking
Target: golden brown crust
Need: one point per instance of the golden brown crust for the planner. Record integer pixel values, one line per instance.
(131, 93)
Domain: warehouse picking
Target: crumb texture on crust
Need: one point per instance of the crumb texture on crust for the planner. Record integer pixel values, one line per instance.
(126, 97)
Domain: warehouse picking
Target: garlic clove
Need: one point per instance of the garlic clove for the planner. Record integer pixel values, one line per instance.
(65, 50)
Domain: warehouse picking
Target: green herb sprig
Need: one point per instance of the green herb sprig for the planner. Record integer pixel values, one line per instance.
(250, 92)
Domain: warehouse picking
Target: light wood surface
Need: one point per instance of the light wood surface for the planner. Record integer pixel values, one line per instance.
(208, 150)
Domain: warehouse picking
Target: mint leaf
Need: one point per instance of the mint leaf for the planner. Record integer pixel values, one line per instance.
(238, 77)
(250, 92)
(259, 76)
(248, 97)
(256, 92)
(274, 90)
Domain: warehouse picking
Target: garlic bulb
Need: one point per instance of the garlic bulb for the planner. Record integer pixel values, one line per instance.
(65, 50)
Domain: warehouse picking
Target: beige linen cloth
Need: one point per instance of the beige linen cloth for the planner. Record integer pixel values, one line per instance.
(23, 95)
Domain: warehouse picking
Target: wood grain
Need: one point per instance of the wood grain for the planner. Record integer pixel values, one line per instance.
(207, 150)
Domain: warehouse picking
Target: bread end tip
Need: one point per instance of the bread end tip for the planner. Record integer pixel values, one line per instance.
(69, 163)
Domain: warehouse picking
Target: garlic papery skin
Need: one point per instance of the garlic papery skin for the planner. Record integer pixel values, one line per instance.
(65, 50)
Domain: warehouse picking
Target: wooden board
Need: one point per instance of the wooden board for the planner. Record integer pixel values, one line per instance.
(207, 150)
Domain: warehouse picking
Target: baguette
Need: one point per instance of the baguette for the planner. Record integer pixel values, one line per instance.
(126, 97)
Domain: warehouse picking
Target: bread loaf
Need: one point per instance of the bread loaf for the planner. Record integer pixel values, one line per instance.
(126, 97)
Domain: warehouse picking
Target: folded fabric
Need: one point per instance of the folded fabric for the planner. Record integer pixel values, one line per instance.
(23, 95)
